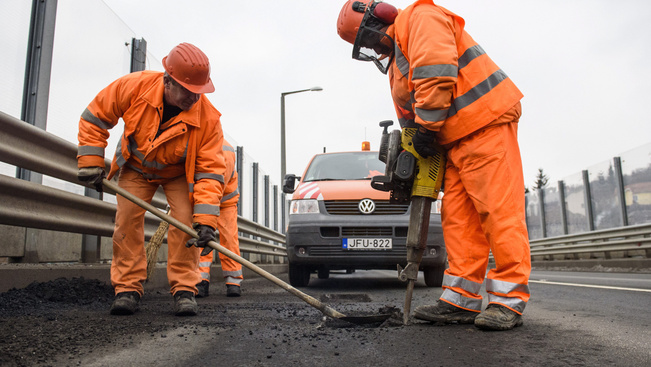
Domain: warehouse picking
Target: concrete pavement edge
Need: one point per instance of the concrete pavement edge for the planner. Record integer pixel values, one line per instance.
(18, 275)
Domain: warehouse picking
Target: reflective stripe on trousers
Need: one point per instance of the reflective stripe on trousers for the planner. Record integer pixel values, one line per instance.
(228, 237)
(483, 212)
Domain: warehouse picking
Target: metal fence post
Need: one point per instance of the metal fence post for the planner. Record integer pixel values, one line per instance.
(36, 92)
(588, 200)
(255, 192)
(275, 207)
(138, 54)
(619, 180)
(541, 201)
(266, 200)
(91, 245)
(255, 199)
(563, 206)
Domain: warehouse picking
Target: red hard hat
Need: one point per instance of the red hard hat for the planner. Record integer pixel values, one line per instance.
(352, 13)
(189, 66)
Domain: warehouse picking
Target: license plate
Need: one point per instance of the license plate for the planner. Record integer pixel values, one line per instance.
(367, 243)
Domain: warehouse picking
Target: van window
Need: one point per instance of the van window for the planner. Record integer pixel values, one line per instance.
(344, 166)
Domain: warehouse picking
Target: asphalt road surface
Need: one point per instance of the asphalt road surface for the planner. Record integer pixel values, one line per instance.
(566, 323)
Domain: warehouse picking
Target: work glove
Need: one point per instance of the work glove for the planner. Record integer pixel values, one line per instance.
(206, 234)
(422, 141)
(93, 176)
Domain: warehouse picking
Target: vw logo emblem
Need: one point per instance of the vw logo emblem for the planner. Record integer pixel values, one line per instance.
(366, 206)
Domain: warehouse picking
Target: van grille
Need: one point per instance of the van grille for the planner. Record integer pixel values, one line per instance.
(366, 231)
(350, 207)
(332, 252)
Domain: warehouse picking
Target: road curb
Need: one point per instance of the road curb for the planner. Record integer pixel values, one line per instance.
(21, 275)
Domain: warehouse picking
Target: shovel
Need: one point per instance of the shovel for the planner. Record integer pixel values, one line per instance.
(325, 309)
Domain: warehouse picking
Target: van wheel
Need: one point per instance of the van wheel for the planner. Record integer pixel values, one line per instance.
(323, 273)
(434, 276)
(299, 276)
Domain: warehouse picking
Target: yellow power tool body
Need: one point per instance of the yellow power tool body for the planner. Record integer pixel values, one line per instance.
(410, 177)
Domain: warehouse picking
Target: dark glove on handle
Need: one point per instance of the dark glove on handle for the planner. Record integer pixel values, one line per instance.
(206, 234)
(93, 176)
(422, 141)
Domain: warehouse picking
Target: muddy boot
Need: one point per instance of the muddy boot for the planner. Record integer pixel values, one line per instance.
(203, 289)
(444, 312)
(233, 290)
(125, 303)
(184, 304)
(498, 317)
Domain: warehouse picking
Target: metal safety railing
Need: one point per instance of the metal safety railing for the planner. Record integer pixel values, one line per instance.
(625, 241)
(32, 205)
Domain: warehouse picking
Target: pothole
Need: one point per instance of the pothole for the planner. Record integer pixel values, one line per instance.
(394, 320)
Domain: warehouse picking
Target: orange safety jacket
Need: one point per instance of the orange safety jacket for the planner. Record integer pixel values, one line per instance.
(441, 78)
(231, 191)
(190, 144)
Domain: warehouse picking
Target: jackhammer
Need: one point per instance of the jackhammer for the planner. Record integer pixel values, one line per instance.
(410, 177)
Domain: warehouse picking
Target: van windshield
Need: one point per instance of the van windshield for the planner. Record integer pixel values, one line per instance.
(344, 166)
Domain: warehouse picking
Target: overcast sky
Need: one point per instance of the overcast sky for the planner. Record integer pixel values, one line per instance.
(582, 65)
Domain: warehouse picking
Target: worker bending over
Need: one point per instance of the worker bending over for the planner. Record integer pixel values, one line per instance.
(172, 138)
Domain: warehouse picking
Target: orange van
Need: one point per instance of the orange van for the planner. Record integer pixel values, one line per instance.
(337, 221)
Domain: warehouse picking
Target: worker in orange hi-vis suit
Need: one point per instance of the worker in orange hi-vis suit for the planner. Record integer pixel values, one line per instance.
(228, 234)
(443, 83)
(172, 138)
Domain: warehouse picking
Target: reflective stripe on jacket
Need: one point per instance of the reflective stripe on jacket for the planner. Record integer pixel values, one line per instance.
(441, 78)
(231, 192)
(190, 143)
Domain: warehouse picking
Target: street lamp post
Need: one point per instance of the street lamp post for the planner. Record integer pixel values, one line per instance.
(282, 128)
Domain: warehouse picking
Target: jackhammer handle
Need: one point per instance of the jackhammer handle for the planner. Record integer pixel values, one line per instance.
(325, 309)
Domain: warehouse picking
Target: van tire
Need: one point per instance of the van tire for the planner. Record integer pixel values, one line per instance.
(434, 276)
(299, 275)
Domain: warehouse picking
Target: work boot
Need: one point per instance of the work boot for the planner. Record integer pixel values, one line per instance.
(203, 289)
(125, 303)
(444, 312)
(233, 290)
(498, 317)
(184, 304)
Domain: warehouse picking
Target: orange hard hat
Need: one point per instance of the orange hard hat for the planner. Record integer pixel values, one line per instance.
(352, 14)
(189, 66)
(349, 21)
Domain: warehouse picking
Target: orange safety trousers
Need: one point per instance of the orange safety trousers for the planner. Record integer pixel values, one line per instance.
(129, 265)
(483, 211)
(228, 237)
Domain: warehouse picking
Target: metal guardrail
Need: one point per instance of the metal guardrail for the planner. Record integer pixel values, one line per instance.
(27, 204)
(31, 205)
(630, 238)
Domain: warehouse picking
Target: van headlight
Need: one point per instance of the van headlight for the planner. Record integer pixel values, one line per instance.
(304, 206)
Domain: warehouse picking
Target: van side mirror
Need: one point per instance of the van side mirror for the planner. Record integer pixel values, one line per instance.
(290, 183)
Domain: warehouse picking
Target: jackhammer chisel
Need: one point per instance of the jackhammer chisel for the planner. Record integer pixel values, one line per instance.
(410, 177)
